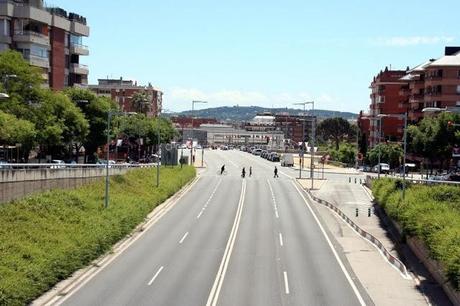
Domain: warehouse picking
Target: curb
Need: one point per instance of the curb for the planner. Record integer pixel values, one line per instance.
(80, 277)
(372, 239)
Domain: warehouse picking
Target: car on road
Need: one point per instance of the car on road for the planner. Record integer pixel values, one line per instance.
(257, 151)
(384, 168)
(57, 164)
(287, 160)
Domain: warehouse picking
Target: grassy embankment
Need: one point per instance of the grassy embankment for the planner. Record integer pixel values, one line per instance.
(44, 238)
(431, 213)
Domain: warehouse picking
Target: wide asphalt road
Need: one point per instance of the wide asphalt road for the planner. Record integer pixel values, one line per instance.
(230, 241)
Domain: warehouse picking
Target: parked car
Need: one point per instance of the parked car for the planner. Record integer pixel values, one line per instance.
(287, 160)
(4, 165)
(263, 153)
(256, 151)
(274, 157)
(384, 168)
(57, 164)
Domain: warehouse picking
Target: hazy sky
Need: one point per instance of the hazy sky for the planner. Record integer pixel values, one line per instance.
(267, 53)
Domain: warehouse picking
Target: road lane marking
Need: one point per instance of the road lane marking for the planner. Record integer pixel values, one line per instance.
(286, 283)
(155, 276)
(209, 199)
(183, 238)
(64, 292)
(342, 266)
(275, 206)
(217, 286)
(281, 239)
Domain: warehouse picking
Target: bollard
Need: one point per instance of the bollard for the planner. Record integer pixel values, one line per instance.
(349, 179)
(356, 212)
(360, 181)
(369, 212)
(355, 180)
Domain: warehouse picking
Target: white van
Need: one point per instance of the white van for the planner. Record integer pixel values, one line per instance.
(287, 160)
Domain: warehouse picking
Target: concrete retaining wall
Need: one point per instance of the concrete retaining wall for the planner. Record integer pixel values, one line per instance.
(15, 184)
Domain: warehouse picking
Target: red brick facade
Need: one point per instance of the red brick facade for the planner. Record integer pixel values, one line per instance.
(58, 64)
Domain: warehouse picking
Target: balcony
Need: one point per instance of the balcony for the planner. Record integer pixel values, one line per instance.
(31, 37)
(79, 28)
(6, 8)
(79, 49)
(38, 61)
(79, 69)
(33, 13)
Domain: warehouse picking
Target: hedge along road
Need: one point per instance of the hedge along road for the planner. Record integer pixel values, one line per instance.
(228, 242)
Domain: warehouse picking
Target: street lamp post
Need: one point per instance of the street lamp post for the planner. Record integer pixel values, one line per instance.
(312, 147)
(109, 118)
(379, 137)
(191, 147)
(404, 116)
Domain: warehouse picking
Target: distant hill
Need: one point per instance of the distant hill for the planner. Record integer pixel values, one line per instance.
(244, 113)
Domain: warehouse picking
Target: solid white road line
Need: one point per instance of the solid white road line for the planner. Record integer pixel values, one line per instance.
(286, 283)
(281, 239)
(183, 238)
(155, 276)
(217, 286)
(344, 270)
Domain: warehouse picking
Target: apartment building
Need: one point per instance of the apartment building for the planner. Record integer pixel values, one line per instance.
(122, 91)
(385, 99)
(48, 38)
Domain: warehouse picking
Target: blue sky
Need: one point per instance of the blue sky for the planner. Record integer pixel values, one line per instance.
(266, 53)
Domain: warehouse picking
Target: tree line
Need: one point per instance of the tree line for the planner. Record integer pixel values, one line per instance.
(61, 123)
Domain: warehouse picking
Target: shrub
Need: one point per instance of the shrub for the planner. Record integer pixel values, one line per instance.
(46, 237)
(431, 213)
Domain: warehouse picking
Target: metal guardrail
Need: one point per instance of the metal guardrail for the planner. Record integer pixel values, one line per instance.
(54, 166)
(420, 181)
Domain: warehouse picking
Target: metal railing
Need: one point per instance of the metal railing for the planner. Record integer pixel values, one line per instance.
(55, 166)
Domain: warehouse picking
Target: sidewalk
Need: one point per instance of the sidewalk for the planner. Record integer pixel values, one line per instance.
(319, 167)
(383, 282)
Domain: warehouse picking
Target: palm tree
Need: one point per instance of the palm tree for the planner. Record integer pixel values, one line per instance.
(140, 102)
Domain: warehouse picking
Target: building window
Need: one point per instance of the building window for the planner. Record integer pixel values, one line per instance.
(458, 89)
(4, 27)
(457, 104)
(76, 40)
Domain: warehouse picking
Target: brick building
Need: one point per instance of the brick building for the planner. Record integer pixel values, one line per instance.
(182, 122)
(122, 91)
(385, 99)
(434, 83)
(292, 125)
(48, 38)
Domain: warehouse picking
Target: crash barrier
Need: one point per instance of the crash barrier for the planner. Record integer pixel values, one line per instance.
(357, 180)
(19, 180)
(391, 259)
(369, 179)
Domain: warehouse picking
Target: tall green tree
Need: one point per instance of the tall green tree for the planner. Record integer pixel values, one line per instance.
(140, 102)
(17, 131)
(63, 125)
(96, 111)
(389, 153)
(433, 138)
(335, 129)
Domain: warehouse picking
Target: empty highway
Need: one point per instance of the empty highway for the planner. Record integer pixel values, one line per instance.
(230, 241)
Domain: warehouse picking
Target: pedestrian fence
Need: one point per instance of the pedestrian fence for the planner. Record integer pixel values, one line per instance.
(376, 242)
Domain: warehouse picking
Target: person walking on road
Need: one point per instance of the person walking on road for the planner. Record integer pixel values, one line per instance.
(243, 173)
(250, 171)
(222, 169)
(275, 172)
